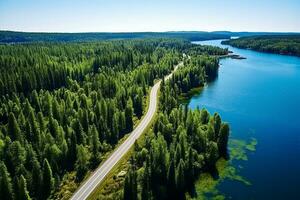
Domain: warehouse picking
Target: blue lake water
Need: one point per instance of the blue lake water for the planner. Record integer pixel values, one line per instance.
(259, 97)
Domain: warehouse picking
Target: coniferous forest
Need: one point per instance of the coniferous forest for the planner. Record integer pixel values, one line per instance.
(182, 143)
(149, 100)
(279, 44)
(64, 106)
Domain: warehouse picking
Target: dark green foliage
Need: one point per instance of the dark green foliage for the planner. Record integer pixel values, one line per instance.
(280, 44)
(146, 192)
(11, 36)
(13, 128)
(48, 181)
(223, 139)
(130, 185)
(185, 143)
(82, 162)
(95, 147)
(128, 116)
(37, 178)
(6, 189)
(22, 193)
(171, 168)
(64, 105)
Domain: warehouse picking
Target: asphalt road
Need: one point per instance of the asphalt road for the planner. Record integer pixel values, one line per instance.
(99, 174)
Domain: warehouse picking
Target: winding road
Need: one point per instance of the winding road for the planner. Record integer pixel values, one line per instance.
(99, 174)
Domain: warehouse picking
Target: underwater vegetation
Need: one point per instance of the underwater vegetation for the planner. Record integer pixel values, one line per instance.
(206, 186)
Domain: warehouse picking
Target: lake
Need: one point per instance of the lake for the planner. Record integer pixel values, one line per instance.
(259, 97)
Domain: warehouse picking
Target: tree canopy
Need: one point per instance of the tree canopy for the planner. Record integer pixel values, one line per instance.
(63, 106)
(280, 44)
(182, 143)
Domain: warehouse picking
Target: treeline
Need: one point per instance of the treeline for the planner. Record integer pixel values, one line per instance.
(206, 50)
(49, 130)
(21, 37)
(28, 67)
(280, 44)
(63, 106)
(182, 143)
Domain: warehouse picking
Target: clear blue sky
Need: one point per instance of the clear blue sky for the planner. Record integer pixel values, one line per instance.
(149, 15)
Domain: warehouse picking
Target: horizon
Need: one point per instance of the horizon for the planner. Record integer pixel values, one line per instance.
(171, 31)
(134, 16)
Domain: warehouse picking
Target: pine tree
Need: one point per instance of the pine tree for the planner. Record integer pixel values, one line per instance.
(95, 147)
(180, 179)
(115, 129)
(85, 120)
(82, 162)
(13, 128)
(34, 128)
(223, 140)
(72, 148)
(16, 157)
(204, 116)
(6, 190)
(41, 122)
(36, 181)
(213, 155)
(190, 170)
(80, 134)
(48, 180)
(23, 192)
(56, 110)
(129, 116)
(217, 124)
(146, 193)
(138, 103)
(171, 180)
(130, 185)
(35, 101)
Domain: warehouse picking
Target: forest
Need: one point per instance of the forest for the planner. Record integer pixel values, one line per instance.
(279, 44)
(24, 37)
(182, 143)
(64, 106)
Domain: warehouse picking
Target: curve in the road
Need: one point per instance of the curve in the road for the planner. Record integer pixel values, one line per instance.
(91, 183)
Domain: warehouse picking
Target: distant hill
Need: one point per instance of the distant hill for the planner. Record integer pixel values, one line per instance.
(247, 34)
(21, 37)
(17, 37)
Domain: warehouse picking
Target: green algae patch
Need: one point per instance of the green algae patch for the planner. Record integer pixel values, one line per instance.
(206, 185)
(218, 197)
(237, 149)
(227, 171)
(252, 145)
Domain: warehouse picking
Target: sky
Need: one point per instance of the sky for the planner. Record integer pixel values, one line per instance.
(149, 15)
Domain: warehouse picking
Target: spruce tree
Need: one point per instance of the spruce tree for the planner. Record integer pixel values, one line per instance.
(223, 140)
(23, 193)
(36, 182)
(146, 181)
(171, 187)
(217, 124)
(13, 128)
(129, 116)
(130, 185)
(6, 189)
(48, 180)
(95, 147)
(180, 178)
(82, 162)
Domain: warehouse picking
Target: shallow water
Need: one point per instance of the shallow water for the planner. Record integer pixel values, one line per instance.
(260, 98)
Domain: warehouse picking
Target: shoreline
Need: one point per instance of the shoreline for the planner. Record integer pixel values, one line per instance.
(233, 56)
